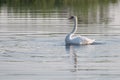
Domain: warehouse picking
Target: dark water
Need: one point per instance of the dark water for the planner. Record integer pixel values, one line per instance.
(32, 34)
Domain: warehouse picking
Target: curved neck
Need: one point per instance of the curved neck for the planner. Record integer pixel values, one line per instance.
(75, 26)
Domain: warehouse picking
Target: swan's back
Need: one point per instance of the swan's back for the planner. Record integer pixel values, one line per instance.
(78, 40)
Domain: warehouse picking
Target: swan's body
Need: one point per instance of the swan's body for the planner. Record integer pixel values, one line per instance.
(77, 40)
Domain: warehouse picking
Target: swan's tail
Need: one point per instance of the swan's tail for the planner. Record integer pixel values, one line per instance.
(91, 41)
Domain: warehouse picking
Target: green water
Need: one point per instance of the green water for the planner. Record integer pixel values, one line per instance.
(89, 11)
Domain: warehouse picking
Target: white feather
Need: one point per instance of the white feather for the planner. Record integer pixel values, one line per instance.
(77, 40)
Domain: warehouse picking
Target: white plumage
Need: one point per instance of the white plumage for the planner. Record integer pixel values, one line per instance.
(76, 40)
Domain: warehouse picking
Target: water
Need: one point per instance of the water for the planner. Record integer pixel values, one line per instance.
(32, 43)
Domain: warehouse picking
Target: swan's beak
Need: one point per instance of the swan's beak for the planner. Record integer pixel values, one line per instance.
(69, 18)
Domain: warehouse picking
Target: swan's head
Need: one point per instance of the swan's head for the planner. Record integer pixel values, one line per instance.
(72, 17)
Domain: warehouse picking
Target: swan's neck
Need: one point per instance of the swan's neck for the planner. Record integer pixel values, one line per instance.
(69, 36)
(75, 26)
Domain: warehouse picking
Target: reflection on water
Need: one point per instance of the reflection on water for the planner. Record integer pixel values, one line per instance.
(73, 56)
(89, 12)
(32, 34)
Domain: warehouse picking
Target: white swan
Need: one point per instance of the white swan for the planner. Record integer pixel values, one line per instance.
(76, 40)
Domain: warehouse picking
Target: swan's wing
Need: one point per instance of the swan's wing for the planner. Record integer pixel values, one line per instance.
(80, 40)
(85, 40)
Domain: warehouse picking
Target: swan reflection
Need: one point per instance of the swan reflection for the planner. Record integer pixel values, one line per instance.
(70, 49)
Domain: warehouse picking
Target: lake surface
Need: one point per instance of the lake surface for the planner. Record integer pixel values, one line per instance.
(32, 43)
